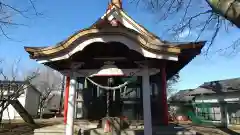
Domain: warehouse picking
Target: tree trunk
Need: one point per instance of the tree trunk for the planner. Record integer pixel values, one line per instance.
(1, 115)
(229, 9)
(1, 111)
(41, 112)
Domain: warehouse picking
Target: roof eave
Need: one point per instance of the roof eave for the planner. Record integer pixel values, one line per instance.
(36, 53)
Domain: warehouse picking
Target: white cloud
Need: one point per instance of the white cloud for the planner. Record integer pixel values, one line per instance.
(184, 34)
(188, 34)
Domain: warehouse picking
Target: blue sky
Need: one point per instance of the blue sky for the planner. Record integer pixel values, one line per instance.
(62, 18)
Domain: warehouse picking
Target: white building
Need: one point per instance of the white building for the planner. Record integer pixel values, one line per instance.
(215, 102)
(29, 98)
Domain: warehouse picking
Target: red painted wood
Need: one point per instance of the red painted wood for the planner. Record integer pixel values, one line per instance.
(164, 95)
(106, 75)
(66, 99)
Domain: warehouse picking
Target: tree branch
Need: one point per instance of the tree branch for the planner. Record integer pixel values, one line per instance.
(196, 21)
(7, 12)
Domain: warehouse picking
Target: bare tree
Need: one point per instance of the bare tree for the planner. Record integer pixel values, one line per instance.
(10, 89)
(9, 11)
(45, 97)
(171, 84)
(197, 15)
(47, 82)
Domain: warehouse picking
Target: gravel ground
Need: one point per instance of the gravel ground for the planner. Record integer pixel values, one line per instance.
(19, 127)
(212, 130)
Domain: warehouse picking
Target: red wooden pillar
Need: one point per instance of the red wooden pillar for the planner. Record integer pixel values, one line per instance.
(66, 99)
(163, 94)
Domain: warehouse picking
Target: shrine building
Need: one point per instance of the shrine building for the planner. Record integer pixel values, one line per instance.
(122, 66)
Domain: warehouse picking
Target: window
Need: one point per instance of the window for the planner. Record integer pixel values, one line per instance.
(234, 119)
(209, 113)
(79, 86)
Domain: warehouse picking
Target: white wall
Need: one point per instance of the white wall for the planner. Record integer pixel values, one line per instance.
(32, 101)
(22, 100)
(29, 100)
(10, 112)
(54, 102)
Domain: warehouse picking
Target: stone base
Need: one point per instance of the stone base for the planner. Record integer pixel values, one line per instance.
(114, 124)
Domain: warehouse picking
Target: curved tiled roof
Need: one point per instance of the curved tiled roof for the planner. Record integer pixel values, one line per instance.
(143, 41)
(228, 85)
(146, 39)
(212, 87)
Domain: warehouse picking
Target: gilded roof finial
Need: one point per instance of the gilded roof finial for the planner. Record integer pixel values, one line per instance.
(117, 3)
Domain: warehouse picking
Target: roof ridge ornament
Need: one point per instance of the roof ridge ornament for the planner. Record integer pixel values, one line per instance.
(117, 3)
